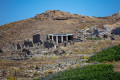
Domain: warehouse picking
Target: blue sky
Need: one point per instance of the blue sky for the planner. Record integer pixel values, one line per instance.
(15, 10)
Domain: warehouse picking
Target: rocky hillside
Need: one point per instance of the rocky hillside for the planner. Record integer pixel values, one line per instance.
(52, 21)
(25, 52)
(115, 17)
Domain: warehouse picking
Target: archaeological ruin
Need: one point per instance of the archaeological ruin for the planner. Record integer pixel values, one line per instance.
(60, 38)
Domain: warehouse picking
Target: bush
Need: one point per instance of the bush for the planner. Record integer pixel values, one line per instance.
(36, 79)
(90, 72)
(48, 72)
(111, 54)
(94, 39)
(12, 78)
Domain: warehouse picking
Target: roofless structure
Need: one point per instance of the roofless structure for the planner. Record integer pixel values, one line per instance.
(60, 38)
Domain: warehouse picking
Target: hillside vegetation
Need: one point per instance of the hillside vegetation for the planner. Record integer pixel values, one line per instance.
(90, 72)
(111, 54)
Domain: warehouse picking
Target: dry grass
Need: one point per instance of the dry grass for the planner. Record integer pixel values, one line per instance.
(116, 66)
(90, 46)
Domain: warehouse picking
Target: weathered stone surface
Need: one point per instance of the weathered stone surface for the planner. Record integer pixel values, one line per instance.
(36, 39)
(16, 55)
(112, 38)
(96, 32)
(26, 51)
(18, 46)
(55, 15)
(116, 31)
(28, 43)
(1, 51)
(48, 44)
(59, 52)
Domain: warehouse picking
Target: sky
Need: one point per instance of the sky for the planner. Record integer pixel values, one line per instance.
(15, 10)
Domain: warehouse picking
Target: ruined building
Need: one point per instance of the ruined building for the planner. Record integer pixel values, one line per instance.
(60, 38)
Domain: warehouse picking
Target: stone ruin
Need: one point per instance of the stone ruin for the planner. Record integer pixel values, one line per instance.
(53, 41)
(17, 55)
(27, 43)
(36, 39)
(18, 46)
(103, 33)
(23, 50)
(1, 51)
(116, 31)
(48, 44)
(27, 49)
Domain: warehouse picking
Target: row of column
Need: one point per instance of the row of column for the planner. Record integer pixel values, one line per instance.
(61, 38)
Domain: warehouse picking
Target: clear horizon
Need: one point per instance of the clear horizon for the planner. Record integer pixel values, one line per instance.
(15, 10)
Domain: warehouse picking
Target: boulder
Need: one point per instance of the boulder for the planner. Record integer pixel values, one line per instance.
(26, 51)
(1, 51)
(36, 39)
(14, 47)
(96, 32)
(28, 43)
(18, 46)
(105, 27)
(112, 38)
(59, 52)
(48, 44)
(116, 31)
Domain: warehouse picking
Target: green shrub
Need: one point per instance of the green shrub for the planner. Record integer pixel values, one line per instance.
(94, 39)
(91, 72)
(111, 54)
(36, 79)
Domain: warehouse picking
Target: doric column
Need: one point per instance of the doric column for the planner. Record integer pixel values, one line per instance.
(66, 38)
(62, 39)
(52, 38)
(56, 39)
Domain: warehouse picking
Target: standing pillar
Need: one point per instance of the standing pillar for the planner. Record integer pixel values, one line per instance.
(66, 38)
(52, 38)
(56, 39)
(62, 39)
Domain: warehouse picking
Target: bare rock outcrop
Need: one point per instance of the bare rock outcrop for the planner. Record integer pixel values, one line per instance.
(115, 16)
(116, 31)
(55, 15)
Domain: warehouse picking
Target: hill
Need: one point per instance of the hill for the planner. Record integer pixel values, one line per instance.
(21, 57)
(52, 21)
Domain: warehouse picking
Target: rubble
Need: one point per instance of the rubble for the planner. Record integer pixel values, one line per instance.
(28, 43)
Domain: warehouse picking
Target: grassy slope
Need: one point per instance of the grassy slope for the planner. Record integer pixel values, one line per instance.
(111, 54)
(91, 72)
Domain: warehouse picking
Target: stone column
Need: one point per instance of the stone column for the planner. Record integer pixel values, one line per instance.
(62, 39)
(52, 38)
(56, 39)
(55, 46)
(66, 38)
